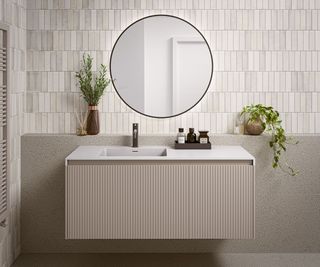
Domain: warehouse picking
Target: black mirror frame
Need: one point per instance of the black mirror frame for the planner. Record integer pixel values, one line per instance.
(178, 114)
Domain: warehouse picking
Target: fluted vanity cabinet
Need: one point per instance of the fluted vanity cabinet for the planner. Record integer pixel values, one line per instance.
(179, 195)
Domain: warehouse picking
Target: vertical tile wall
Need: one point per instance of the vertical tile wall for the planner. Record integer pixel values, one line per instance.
(13, 13)
(264, 51)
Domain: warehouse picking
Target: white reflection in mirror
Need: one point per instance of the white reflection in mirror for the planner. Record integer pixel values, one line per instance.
(161, 66)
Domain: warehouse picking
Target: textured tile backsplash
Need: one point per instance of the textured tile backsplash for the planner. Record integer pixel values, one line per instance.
(263, 52)
(13, 14)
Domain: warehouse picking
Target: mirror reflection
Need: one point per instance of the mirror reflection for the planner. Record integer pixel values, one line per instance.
(161, 66)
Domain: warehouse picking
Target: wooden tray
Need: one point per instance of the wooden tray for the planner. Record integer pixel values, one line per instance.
(192, 146)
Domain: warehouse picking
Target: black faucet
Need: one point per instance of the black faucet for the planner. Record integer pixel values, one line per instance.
(135, 135)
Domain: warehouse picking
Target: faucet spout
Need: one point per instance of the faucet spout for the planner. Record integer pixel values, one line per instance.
(135, 135)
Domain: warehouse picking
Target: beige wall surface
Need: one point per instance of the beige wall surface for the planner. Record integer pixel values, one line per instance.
(264, 51)
(287, 208)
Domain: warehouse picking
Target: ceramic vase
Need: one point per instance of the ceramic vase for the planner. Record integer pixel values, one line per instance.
(254, 127)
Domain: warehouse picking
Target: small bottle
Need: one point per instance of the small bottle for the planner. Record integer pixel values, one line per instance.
(191, 137)
(203, 137)
(181, 137)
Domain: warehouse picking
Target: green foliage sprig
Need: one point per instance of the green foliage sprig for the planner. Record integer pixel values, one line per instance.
(271, 123)
(92, 86)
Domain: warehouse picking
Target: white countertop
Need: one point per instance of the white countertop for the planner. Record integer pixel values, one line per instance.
(224, 153)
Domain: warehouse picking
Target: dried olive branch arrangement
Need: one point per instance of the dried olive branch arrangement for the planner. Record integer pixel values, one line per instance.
(92, 88)
(271, 123)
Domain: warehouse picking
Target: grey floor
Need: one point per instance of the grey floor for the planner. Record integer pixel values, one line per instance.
(168, 260)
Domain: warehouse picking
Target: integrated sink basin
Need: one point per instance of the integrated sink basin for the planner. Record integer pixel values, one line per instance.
(134, 152)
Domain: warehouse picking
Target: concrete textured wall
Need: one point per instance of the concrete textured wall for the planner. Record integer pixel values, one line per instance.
(287, 208)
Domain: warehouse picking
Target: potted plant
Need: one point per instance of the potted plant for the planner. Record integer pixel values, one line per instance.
(92, 88)
(261, 118)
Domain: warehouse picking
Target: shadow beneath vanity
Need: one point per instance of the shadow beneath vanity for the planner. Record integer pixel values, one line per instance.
(119, 259)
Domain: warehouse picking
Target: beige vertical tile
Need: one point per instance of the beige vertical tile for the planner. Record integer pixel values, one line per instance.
(312, 123)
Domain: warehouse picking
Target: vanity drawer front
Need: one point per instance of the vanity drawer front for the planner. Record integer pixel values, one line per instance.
(160, 201)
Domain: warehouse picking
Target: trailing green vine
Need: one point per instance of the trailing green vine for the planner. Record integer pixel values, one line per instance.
(271, 123)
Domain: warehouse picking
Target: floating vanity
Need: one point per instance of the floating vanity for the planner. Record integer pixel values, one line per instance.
(160, 193)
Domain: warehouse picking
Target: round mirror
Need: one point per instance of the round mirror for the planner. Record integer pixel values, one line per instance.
(161, 66)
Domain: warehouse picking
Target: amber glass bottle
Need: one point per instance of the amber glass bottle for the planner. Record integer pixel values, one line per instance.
(191, 137)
